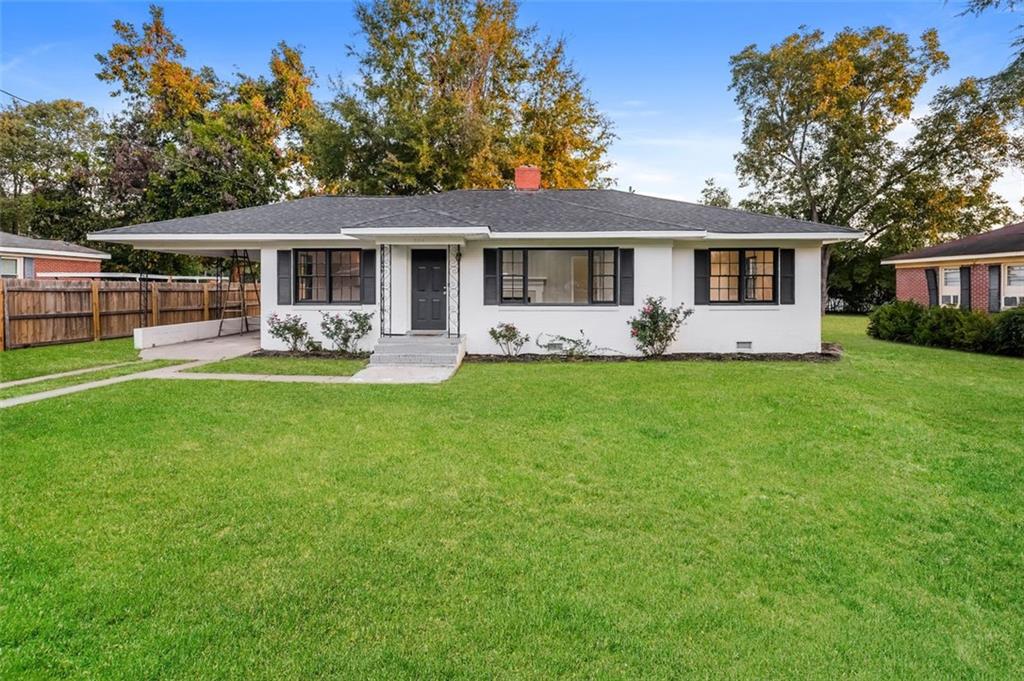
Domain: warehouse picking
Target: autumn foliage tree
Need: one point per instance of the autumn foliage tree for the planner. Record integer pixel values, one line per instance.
(820, 142)
(455, 94)
(189, 143)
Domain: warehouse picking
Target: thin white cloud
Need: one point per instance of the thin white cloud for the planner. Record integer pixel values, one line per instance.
(15, 62)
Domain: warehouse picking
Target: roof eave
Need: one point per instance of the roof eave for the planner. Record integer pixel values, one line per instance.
(51, 253)
(948, 258)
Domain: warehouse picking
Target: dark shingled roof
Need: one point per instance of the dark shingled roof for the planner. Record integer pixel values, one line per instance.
(548, 210)
(17, 241)
(1009, 239)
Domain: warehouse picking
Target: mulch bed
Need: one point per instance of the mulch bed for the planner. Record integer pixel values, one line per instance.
(313, 354)
(830, 352)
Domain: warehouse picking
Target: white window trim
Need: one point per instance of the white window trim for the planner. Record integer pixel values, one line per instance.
(19, 266)
(947, 290)
(1010, 291)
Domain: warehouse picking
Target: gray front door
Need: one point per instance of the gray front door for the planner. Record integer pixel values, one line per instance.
(428, 289)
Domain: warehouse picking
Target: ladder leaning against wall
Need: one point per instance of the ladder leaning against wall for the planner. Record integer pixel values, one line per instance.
(231, 307)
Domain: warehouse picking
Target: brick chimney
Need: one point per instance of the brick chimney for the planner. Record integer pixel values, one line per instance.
(527, 178)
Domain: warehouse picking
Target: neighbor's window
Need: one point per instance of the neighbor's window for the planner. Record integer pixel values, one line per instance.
(8, 268)
(327, 276)
(1014, 276)
(743, 275)
(950, 293)
(558, 276)
(951, 278)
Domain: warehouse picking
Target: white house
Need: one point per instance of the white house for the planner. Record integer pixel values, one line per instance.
(549, 261)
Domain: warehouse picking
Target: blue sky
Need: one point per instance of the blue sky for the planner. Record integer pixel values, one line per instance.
(659, 69)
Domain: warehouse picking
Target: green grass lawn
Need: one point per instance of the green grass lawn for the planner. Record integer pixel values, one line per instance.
(861, 518)
(98, 375)
(284, 366)
(52, 359)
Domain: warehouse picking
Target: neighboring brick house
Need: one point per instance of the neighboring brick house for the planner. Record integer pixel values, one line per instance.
(23, 257)
(981, 272)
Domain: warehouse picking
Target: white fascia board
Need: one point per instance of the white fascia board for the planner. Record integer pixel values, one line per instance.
(831, 237)
(417, 232)
(674, 234)
(199, 240)
(53, 254)
(947, 258)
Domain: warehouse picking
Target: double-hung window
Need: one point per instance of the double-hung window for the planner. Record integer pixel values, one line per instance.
(327, 276)
(950, 293)
(1013, 291)
(743, 275)
(9, 268)
(558, 276)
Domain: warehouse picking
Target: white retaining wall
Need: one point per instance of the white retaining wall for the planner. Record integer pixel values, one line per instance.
(169, 334)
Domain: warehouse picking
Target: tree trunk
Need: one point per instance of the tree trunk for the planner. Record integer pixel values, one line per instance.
(826, 256)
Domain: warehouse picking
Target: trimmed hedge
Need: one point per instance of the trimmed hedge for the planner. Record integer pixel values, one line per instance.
(949, 327)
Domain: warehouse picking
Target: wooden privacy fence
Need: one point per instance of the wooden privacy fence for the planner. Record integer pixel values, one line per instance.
(37, 312)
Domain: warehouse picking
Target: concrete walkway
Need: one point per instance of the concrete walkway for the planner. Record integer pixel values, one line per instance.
(63, 374)
(81, 387)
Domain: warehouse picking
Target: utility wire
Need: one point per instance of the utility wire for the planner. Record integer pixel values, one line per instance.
(14, 96)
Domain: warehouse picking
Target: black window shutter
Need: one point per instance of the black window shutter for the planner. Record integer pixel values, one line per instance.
(490, 276)
(284, 277)
(965, 287)
(368, 276)
(932, 277)
(701, 277)
(625, 276)
(995, 282)
(787, 276)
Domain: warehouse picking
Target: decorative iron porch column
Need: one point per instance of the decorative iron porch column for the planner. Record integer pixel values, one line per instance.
(385, 289)
(454, 290)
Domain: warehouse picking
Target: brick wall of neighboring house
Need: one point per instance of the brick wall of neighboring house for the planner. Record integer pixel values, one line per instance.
(912, 285)
(44, 265)
(979, 287)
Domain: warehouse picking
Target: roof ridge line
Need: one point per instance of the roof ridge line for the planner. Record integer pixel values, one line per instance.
(624, 215)
(452, 217)
(414, 209)
(731, 209)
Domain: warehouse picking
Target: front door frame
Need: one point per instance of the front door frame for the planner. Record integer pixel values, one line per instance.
(443, 252)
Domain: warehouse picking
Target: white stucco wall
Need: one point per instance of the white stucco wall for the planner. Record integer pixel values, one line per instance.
(311, 314)
(661, 268)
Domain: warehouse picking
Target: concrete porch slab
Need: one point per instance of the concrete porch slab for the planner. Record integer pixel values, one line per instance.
(209, 349)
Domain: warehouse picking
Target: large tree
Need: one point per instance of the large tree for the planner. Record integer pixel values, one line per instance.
(48, 166)
(820, 141)
(189, 143)
(452, 94)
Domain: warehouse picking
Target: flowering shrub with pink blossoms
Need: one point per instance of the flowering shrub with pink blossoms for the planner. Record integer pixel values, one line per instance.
(657, 326)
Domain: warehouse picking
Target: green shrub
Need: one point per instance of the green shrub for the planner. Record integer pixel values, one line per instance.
(974, 332)
(938, 327)
(508, 338)
(895, 321)
(345, 331)
(1008, 333)
(657, 326)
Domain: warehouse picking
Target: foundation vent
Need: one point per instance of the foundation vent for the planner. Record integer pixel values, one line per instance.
(744, 345)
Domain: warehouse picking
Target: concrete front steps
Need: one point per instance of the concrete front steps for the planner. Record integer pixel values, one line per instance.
(419, 350)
